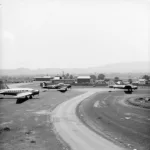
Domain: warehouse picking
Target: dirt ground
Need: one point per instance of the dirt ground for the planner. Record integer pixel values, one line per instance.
(27, 125)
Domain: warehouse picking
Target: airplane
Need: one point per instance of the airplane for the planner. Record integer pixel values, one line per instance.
(18, 93)
(121, 85)
(45, 86)
(55, 86)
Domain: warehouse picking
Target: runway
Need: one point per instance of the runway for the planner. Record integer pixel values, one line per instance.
(73, 131)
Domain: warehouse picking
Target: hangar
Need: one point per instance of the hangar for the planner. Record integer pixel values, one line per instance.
(83, 79)
(143, 81)
(65, 81)
(45, 78)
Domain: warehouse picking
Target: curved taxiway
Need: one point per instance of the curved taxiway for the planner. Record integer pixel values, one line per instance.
(73, 131)
(110, 115)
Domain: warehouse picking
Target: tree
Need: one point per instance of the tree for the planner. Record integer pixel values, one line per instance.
(71, 76)
(130, 81)
(146, 77)
(93, 77)
(101, 77)
(67, 75)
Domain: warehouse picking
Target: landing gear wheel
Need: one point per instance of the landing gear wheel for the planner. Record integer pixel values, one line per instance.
(130, 90)
(17, 101)
(30, 96)
(26, 97)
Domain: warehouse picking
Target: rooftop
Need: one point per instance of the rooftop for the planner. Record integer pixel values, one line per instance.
(44, 77)
(83, 77)
(142, 79)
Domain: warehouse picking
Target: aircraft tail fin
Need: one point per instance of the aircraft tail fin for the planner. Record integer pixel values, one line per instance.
(43, 85)
(3, 85)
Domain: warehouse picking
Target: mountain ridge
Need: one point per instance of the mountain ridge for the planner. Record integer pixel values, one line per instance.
(125, 67)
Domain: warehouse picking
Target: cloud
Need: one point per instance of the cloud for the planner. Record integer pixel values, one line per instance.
(8, 35)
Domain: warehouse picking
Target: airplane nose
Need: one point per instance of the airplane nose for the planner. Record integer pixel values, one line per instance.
(38, 92)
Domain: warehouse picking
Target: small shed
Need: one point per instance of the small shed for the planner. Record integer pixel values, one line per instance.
(100, 82)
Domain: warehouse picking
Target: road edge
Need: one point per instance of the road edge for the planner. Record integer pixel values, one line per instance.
(81, 116)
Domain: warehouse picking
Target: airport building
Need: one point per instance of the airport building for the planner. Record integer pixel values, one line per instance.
(45, 78)
(57, 78)
(65, 81)
(143, 81)
(84, 79)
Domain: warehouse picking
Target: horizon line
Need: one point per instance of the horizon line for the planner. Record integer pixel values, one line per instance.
(148, 62)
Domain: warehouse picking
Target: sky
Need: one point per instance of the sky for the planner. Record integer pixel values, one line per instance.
(73, 33)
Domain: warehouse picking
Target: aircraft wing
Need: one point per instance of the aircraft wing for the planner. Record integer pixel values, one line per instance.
(119, 86)
(20, 95)
(133, 86)
(63, 89)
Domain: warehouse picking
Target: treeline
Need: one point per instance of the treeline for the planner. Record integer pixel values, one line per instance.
(68, 76)
(94, 77)
(16, 79)
(101, 76)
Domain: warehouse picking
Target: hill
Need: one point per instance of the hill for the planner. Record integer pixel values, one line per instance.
(130, 67)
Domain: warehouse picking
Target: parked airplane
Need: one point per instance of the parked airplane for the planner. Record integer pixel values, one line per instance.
(45, 86)
(121, 85)
(18, 93)
(55, 86)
